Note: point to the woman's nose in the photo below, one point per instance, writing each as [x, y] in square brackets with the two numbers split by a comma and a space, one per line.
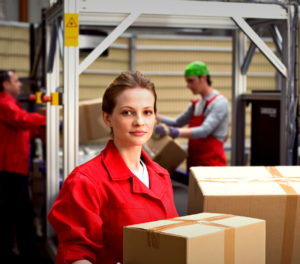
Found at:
[139, 119]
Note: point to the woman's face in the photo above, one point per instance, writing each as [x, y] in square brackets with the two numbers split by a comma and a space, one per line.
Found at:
[133, 117]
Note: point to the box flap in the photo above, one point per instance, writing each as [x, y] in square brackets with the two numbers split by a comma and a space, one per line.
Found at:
[247, 180]
[196, 225]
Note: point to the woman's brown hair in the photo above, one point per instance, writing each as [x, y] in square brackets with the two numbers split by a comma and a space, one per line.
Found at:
[125, 80]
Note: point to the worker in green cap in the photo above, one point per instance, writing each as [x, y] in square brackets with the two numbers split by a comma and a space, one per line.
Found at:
[207, 118]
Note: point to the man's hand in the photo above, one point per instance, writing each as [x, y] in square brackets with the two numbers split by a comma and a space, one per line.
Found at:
[163, 130]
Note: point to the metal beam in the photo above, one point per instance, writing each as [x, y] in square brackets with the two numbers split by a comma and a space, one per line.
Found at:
[175, 14]
[54, 12]
[260, 44]
[108, 41]
[184, 8]
[248, 58]
[277, 38]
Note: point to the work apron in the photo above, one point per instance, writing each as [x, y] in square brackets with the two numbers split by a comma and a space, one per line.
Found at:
[207, 151]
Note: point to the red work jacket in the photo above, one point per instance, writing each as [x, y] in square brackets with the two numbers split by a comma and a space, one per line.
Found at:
[100, 197]
[207, 151]
[16, 126]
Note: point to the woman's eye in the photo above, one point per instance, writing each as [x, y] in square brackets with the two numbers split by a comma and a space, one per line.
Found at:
[148, 112]
[126, 113]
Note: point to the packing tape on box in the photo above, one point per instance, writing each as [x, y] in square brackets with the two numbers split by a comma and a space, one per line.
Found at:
[280, 180]
[290, 218]
[229, 233]
[290, 208]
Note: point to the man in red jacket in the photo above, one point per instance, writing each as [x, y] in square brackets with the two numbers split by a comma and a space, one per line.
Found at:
[16, 128]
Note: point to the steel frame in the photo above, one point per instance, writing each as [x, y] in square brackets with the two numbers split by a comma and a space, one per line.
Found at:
[170, 15]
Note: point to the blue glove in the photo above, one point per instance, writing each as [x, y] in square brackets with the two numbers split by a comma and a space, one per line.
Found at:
[163, 130]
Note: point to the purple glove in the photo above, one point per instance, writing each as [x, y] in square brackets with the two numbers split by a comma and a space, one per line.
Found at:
[160, 130]
[163, 130]
[173, 131]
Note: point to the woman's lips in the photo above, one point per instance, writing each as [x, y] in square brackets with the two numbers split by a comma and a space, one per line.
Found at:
[138, 133]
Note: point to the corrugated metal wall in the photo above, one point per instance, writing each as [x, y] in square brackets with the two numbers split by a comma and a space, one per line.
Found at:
[14, 48]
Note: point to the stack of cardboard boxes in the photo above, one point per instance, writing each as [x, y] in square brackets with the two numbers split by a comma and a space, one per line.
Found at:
[269, 193]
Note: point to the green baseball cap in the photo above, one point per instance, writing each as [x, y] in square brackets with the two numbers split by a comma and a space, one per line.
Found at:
[196, 68]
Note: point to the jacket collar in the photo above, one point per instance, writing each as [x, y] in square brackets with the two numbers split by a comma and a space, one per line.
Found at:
[114, 163]
[118, 169]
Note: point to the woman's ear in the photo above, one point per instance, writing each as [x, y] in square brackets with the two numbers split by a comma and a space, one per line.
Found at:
[106, 118]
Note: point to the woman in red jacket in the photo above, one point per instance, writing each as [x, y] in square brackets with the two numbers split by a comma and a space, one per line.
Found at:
[121, 186]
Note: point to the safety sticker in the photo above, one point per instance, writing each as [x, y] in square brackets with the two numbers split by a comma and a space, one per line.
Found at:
[71, 29]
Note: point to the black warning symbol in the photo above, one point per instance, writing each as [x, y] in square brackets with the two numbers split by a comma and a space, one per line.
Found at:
[71, 23]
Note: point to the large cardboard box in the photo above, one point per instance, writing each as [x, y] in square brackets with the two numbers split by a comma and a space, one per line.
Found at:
[91, 124]
[206, 238]
[166, 151]
[269, 193]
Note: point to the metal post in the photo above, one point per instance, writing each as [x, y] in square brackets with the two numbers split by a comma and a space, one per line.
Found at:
[132, 52]
[52, 187]
[284, 96]
[297, 97]
[292, 103]
[71, 88]
[238, 87]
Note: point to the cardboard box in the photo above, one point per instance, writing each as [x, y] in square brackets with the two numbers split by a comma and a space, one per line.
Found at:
[206, 238]
[269, 193]
[166, 151]
[91, 124]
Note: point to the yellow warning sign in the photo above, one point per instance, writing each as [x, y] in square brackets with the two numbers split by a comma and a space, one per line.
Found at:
[71, 29]
[71, 23]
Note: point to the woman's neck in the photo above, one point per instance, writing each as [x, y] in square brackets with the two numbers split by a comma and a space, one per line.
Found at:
[131, 156]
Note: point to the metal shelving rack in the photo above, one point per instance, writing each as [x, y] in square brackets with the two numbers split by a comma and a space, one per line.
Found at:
[121, 16]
